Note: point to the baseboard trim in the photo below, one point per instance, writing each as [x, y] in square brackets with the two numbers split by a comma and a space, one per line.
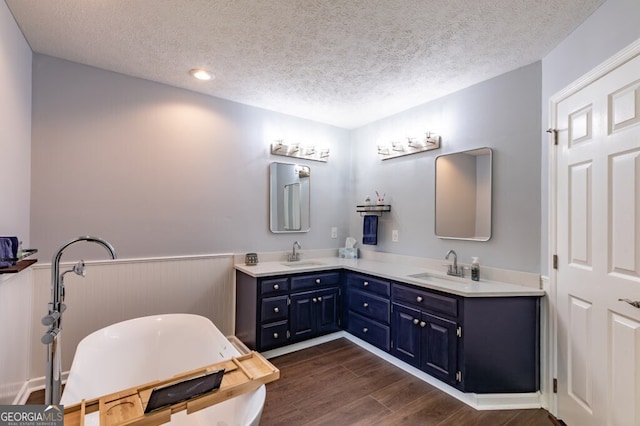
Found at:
[33, 385]
[491, 401]
[303, 345]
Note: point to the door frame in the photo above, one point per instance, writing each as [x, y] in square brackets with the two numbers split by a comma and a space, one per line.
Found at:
[550, 354]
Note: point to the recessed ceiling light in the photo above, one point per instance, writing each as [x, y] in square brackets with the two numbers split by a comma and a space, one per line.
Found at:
[201, 74]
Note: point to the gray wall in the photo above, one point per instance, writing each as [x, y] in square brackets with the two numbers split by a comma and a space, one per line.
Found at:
[15, 128]
[163, 171]
[158, 170]
[502, 113]
[612, 27]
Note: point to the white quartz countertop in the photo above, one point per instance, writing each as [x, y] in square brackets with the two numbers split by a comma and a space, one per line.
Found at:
[409, 274]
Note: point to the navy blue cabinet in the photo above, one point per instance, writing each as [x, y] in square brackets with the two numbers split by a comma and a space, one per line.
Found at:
[477, 344]
[313, 313]
[439, 347]
[406, 334]
[275, 311]
[369, 309]
[425, 330]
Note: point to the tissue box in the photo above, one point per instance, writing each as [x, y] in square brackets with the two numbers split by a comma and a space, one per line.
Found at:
[348, 253]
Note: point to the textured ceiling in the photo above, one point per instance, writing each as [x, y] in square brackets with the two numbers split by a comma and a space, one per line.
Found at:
[345, 63]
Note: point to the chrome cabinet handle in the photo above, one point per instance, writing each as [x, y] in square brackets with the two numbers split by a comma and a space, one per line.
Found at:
[419, 299]
[319, 298]
[275, 335]
[314, 300]
[634, 303]
[364, 330]
[422, 323]
[276, 286]
[416, 321]
[365, 304]
[318, 281]
[366, 283]
[276, 310]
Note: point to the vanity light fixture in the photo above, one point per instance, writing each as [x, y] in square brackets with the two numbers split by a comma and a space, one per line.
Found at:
[201, 74]
[411, 146]
[296, 150]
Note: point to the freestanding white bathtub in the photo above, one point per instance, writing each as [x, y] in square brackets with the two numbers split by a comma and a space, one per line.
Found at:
[140, 350]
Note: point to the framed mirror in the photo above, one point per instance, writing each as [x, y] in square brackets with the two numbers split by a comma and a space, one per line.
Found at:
[289, 198]
[463, 195]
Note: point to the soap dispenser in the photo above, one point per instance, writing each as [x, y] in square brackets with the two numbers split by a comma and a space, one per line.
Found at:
[475, 269]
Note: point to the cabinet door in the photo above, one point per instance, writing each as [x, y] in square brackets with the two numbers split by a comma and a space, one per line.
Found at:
[302, 318]
[327, 310]
[406, 334]
[439, 347]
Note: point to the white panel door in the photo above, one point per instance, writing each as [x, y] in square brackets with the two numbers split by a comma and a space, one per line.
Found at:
[598, 247]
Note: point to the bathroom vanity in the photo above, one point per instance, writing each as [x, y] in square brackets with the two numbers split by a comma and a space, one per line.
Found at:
[477, 337]
[275, 311]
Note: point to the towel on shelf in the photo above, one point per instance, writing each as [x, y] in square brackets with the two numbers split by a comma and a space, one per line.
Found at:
[6, 252]
[370, 230]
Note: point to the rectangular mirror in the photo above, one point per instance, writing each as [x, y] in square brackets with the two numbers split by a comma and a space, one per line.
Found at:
[463, 195]
[290, 198]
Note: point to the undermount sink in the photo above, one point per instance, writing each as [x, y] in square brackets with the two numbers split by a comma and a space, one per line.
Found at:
[432, 277]
[302, 263]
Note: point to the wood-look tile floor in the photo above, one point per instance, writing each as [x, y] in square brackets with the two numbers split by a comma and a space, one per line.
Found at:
[340, 383]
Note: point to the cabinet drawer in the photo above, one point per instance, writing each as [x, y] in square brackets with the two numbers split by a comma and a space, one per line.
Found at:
[274, 309]
[274, 334]
[369, 331]
[427, 301]
[275, 285]
[315, 280]
[365, 283]
[369, 305]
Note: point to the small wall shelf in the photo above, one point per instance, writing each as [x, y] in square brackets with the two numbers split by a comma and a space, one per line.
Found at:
[376, 209]
[19, 266]
[21, 263]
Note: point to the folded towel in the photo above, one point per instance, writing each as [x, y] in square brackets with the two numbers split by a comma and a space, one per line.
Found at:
[6, 252]
[370, 230]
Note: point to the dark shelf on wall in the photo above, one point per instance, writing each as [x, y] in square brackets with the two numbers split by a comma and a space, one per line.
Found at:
[19, 266]
[21, 263]
[376, 209]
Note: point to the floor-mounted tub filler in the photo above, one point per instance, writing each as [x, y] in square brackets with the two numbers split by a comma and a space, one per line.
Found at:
[53, 378]
[142, 350]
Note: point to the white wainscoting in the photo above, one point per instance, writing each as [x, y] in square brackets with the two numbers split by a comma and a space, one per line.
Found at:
[114, 291]
[16, 302]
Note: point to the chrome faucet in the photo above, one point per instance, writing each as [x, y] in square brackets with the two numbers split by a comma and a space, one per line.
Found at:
[452, 269]
[294, 256]
[53, 384]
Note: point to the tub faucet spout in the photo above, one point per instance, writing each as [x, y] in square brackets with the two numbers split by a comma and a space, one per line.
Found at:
[53, 384]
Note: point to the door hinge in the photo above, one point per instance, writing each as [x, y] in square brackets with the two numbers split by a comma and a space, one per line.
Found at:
[459, 331]
[555, 261]
[555, 385]
[458, 376]
[555, 135]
